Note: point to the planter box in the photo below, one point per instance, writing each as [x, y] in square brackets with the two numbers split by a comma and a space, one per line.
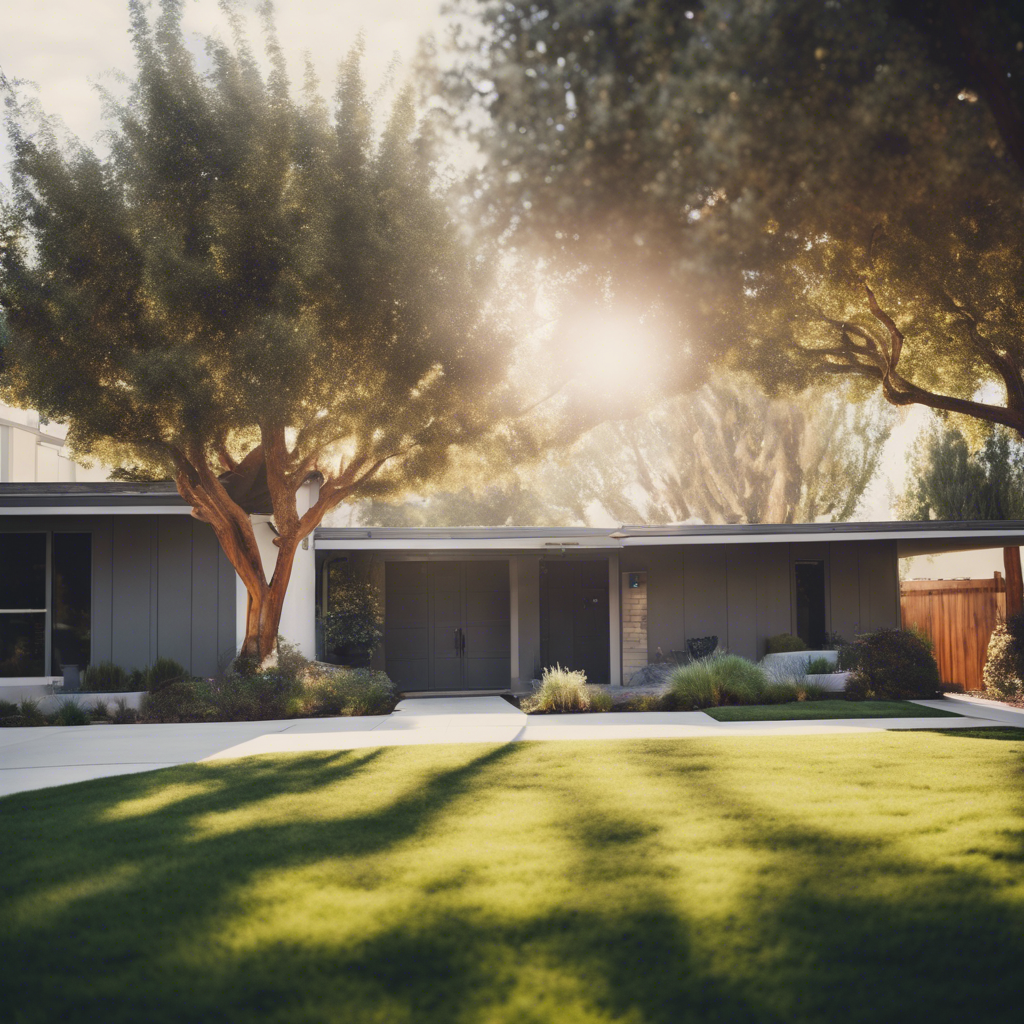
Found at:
[796, 661]
[831, 681]
[88, 699]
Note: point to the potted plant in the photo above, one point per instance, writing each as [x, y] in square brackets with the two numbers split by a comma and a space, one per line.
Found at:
[352, 624]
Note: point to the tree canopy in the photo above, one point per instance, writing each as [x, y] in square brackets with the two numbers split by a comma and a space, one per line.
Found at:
[254, 289]
[818, 189]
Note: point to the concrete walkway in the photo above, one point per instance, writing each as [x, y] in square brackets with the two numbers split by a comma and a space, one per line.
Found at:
[51, 756]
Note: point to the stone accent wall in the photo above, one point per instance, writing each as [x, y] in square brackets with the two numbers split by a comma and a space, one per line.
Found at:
[634, 625]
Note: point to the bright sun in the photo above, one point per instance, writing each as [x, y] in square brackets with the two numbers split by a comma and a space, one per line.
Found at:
[616, 351]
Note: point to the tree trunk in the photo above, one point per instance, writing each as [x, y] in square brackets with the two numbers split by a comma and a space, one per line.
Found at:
[264, 605]
[1014, 582]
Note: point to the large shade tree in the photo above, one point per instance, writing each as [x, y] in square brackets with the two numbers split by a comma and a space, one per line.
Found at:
[251, 291]
[822, 189]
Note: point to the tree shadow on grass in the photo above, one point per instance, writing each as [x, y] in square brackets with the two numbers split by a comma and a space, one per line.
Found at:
[822, 926]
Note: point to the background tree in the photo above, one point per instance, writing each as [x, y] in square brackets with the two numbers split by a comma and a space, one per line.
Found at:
[948, 480]
[725, 454]
[247, 294]
[819, 189]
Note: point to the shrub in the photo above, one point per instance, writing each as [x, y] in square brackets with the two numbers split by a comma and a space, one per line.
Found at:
[8, 709]
[70, 712]
[185, 700]
[1015, 630]
[600, 699]
[164, 671]
[846, 660]
[813, 691]
[1000, 674]
[719, 679]
[105, 677]
[30, 713]
[340, 690]
[893, 664]
[701, 646]
[819, 666]
[784, 643]
[560, 690]
[259, 697]
[123, 714]
[137, 680]
[101, 709]
[832, 642]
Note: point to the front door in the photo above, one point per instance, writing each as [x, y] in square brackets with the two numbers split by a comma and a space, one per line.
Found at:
[574, 616]
[446, 625]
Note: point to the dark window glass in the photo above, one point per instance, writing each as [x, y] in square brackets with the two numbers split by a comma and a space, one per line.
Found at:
[22, 644]
[810, 603]
[72, 600]
[22, 570]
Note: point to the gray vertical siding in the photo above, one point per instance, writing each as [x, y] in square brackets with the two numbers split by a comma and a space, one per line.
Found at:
[160, 586]
[743, 593]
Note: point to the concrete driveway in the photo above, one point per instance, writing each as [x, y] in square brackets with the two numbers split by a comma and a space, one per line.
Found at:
[53, 756]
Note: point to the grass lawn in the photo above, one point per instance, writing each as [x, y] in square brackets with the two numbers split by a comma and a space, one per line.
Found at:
[838, 878]
[825, 709]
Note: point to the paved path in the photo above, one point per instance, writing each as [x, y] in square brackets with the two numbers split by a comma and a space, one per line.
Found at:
[52, 756]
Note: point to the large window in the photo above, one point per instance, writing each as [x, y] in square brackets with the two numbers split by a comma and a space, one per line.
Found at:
[22, 604]
[71, 601]
[44, 625]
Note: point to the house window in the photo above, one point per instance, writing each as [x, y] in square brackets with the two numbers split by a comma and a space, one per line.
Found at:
[45, 602]
[810, 603]
[71, 618]
[22, 604]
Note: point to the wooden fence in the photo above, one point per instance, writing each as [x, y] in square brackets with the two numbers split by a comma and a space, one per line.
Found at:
[959, 615]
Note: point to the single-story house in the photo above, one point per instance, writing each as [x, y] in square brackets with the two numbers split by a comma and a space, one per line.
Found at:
[120, 571]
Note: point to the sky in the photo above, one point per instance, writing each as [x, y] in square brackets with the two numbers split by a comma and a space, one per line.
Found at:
[64, 45]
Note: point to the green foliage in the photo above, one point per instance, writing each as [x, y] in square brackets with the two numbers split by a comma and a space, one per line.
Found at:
[949, 479]
[784, 643]
[9, 714]
[339, 690]
[893, 664]
[123, 714]
[1003, 674]
[106, 677]
[100, 709]
[726, 679]
[70, 712]
[186, 700]
[819, 666]
[757, 167]
[256, 698]
[30, 714]
[164, 671]
[846, 660]
[560, 690]
[354, 616]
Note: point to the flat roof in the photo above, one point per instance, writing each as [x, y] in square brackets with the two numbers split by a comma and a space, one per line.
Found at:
[102, 497]
[928, 535]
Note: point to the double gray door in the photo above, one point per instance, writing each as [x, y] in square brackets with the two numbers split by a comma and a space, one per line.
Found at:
[446, 625]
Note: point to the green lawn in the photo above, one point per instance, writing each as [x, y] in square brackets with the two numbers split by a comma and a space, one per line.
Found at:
[836, 878]
[826, 709]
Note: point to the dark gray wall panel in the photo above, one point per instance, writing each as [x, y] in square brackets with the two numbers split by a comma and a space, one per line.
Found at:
[227, 642]
[706, 592]
[774, 592]
[132, 540]
[742, 569]
[666, 595]
[879, 582]
[174, 637]
[205, 586]
[845, 587]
